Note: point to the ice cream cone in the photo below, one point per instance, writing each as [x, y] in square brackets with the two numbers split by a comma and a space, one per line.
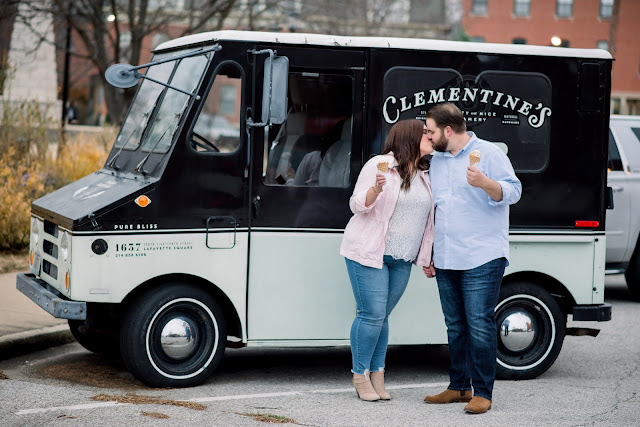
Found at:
[383, 167]
[474, 157]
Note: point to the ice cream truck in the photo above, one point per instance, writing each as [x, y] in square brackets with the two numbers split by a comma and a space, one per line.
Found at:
[217, 218]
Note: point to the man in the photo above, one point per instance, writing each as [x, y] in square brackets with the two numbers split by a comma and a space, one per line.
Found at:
[471, 250]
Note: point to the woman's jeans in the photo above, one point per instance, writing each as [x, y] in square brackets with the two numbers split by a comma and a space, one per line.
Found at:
[377, 291]
[469, 299]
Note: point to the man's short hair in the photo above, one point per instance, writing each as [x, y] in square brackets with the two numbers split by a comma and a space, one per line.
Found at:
[447, 114]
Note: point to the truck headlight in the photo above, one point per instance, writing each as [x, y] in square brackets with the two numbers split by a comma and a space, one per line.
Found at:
[64, 245]
[35, 231]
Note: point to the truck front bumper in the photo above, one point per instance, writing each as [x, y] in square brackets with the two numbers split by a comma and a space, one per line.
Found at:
[600, 312]
[50, 299]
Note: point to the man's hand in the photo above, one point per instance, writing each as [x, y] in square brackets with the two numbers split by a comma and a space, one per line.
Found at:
[477, 179]
[430, 271]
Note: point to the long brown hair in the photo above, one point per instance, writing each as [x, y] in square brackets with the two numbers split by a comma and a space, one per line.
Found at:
[404, 140]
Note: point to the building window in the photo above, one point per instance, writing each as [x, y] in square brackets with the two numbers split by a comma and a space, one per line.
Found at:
[519, 40]
[477, 39]
[228, 95]
[565, 43]
[606, 8]
[602, 44]
[521, 7]
[480, 7]
[564, 8]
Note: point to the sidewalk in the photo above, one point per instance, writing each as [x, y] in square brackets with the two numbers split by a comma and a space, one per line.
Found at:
[24, 326]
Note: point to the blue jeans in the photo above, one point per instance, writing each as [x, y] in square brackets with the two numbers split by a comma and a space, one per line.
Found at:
[377, 291]
[469, 299]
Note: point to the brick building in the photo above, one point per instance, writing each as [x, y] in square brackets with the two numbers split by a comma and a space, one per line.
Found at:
[567, 23]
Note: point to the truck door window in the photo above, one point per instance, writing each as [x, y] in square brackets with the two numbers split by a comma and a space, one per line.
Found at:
[615, 162]
[217, 129]
[186, 77]
[313, 146]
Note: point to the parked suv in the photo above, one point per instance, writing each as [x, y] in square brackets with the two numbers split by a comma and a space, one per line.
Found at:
[623, 222]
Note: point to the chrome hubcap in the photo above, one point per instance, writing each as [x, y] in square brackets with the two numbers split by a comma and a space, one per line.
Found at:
[517, 331]
[178, 340]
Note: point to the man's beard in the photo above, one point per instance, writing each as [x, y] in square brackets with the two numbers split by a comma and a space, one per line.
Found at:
[441, 144]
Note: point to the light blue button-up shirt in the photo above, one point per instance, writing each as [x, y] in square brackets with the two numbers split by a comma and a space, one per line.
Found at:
[471, 229]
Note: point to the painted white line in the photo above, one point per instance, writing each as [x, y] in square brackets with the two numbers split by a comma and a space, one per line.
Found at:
[245, 396]
[231, 397]
[66, 408]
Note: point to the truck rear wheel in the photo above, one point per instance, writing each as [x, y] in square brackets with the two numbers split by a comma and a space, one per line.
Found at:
[173, 336]
[632, 275]
[531, 329]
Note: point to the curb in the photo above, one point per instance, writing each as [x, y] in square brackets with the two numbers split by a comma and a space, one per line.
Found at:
[20, 343]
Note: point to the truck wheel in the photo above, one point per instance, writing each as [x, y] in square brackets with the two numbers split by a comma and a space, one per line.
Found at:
[531, 329]
[173, 336]
[632, 275]
[104, 340]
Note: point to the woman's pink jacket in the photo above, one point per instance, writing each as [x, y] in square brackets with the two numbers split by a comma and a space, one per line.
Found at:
[366, 233]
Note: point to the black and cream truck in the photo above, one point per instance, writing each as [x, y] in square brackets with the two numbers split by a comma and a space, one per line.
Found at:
[217, 218]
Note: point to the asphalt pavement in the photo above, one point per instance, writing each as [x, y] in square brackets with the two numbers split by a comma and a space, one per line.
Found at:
[24, 326]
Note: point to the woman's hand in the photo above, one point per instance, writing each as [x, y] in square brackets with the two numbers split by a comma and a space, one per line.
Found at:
[380, 181]
[375, 190]
[430, 270]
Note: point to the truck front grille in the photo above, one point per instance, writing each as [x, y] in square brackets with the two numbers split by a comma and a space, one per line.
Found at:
[50, 248]
[50, 269]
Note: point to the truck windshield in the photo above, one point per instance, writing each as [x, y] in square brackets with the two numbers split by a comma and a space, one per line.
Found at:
[158, 109]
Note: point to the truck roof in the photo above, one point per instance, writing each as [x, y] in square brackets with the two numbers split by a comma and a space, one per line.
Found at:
[382, 42]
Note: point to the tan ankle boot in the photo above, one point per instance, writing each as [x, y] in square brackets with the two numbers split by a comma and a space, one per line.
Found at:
[377, 381]
[450, 396]
[363, 386]
[478, 405]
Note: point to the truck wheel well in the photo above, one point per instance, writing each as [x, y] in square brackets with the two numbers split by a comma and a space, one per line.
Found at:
[234, 327]
[557, 290]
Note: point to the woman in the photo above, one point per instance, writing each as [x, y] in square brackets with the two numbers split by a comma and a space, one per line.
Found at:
[392, 227]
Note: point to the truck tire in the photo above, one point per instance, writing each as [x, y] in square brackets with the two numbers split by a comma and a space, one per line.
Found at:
[531, 329]
[173, 336]
[632, 275]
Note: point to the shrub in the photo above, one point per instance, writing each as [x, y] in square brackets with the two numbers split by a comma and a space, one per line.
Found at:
[29, 169]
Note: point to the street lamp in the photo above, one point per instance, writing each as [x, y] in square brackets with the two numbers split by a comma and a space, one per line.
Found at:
[556, 41]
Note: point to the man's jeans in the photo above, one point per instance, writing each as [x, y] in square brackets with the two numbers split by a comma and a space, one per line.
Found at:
[469, 299]
[377, 291]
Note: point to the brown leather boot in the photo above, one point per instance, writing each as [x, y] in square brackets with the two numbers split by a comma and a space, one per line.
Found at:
[363, 386]
[377, 381]
[450, 396]
[478, 405]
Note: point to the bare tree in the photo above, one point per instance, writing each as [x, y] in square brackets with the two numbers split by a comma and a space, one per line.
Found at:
[113, 31]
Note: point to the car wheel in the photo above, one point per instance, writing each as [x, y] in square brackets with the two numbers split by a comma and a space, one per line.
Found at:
[173, 336]
[531, 329]
[632, 275]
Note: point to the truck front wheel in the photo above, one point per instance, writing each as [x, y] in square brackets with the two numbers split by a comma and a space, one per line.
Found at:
[531, 329]
[173, 336]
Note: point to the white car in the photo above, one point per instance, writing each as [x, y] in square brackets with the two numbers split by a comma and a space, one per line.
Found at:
[623, 222]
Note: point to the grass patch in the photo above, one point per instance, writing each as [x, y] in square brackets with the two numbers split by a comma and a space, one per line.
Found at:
[136, 399]
[14, 261]
[269, 418]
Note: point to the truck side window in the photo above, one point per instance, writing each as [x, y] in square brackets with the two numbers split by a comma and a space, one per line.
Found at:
[615, 162]
[217, 129]
[313, 146]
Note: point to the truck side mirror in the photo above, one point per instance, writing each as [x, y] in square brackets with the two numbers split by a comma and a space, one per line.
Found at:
[609, 198]
[274, 90]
